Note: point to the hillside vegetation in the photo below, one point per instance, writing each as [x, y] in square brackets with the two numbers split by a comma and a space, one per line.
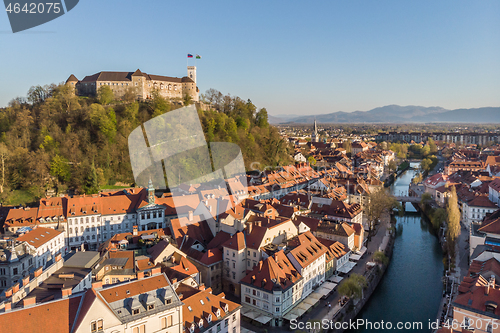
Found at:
[56, 141]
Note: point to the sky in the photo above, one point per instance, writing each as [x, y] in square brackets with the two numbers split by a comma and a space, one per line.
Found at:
[291, 57]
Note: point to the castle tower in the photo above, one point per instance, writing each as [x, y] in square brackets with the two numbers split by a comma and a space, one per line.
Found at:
[192, 73]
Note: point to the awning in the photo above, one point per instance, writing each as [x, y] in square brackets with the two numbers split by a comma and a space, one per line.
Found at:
[326, 288]
[263, 319]
[355, 257]
[362, 251]
[347, 267]
[290, 316]
[335, 279]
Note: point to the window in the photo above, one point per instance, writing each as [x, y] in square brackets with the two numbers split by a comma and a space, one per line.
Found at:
[255, 254]
[277, 309]
[247, 299]
[151, 307]
[277, 299]
[234, 265]
[226, 322]
[135, 311]
[15, 271]
[218, 327]
[234, 254]
[166, 321]
[140, 329]
[234, 317]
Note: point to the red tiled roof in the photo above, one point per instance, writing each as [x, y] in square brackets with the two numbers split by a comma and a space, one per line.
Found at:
[130, 289]
[56, 316]
[199, 305]
[39, 236]
[274, 271]
[236, 242]
[308, 250]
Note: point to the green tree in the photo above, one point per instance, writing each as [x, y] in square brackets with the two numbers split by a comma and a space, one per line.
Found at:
[379, 202]
[347, 145]
[392, 166]
[352, 287]
[91, 184]
[105, 95]
[188, 100]
[380, 257]
[4, 155]
[311, 160]
[261, 118]
[60, 168]
[104, 120]
[432, 145]
[437, 217]
[452, 219]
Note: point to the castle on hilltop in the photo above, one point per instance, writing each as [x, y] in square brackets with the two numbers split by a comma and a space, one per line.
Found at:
[141, 83]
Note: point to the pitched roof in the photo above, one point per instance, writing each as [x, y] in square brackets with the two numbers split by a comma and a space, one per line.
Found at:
[39, 236]
[72, 78]
[133, 288]
[306, 248]
[273, 272]
[236, 242]
[55, 316]
[199, 305]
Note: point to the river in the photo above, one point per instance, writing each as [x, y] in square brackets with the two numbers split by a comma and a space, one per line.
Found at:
[410, 291]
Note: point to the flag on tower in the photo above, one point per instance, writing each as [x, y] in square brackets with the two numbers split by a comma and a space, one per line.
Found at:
[198, 56]
[190, 55]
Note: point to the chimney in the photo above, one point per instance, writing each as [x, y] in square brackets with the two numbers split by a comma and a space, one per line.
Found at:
[491, 284]
[156, 270]
[249, 228]
[97, 285]
[190, 215]
[201, 287]
[140, 275]
[66, 292]
[135, 230]
[15, 288]
[82, 247]
[173, 259]
[8, 306]
[181, 296]
[58, 257]
[29, 301]
[26, 280]
[8, 292]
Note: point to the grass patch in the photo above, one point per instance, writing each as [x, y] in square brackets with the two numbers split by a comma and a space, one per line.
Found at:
[113, 187]
[20, 197]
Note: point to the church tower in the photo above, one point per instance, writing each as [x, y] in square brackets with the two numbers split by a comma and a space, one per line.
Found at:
[151, 193]
[314, 135]
[192, 73]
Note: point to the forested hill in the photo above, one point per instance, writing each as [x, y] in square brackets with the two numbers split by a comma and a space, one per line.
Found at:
[54, 140]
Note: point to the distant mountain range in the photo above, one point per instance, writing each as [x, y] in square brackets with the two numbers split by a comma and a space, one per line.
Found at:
[399, 114]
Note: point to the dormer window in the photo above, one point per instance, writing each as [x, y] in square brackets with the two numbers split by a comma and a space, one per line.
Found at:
[191, 329]
[209, 318]
[218, 313]
[200, 323]
[151, 307]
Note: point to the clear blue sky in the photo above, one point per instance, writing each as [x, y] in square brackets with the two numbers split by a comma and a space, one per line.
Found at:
[295, 57]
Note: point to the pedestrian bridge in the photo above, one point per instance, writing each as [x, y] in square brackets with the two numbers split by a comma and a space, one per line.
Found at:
[407, 198]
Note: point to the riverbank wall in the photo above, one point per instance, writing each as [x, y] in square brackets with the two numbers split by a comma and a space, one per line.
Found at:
[373, 278]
